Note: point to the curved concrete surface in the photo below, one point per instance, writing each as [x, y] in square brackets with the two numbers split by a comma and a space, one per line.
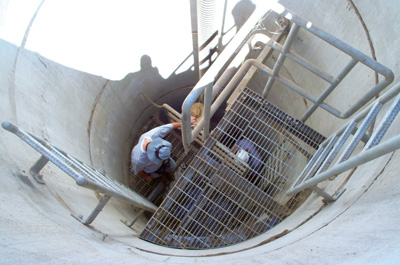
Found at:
[96, 120]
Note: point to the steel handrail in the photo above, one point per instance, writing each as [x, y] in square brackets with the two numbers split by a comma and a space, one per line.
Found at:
[206, 83]
[84, 176]
[372, 150]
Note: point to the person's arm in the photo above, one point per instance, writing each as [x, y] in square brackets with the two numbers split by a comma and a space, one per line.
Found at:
[145, 176]
[235, 148]
[178, 124]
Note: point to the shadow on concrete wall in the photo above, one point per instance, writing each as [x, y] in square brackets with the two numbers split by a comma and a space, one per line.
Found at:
[241, 12]
[149, 80]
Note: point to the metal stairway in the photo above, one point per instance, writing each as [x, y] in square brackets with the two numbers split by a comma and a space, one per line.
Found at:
[84, 175]
[320, 169]
[220, 200]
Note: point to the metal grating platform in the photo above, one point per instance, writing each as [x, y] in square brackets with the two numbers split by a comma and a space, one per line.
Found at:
[220, 200]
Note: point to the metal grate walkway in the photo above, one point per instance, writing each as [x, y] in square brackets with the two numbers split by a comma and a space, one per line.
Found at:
[220, 200]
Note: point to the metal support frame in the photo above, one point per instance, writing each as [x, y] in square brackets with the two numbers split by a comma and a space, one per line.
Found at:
[37, 167]
[221, 200]
[140, 213]
[362, 158]
[356, 57]
[208, 78]
[352, 52]
[84, 175]
[103, 201]
[155, 192]
[328, 198]
[282, 56]
[372, 150]
[329, 89]
[195, 38]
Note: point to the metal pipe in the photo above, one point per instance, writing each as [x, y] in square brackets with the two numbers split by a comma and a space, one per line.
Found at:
[367, 97]
[37, 167]
[236, 79]
[86, 183]
[222, 33]
[97, 210]
[73, 170]
[140, 213]
[330, 88]
[207, 107]
[232, 84]
[322, 193]
[361, 57]
[355, 54]
[302, 61]
[305, 94]
[277, 67]
[265, 53]
[195, 37]
[222, 81]
[377, 151]
[209, 76]
[388, 95]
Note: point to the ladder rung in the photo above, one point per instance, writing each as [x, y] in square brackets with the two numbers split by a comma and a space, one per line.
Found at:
[343, 138]
[378, 134]
[360, 132]
[303, 173]
[322, 157]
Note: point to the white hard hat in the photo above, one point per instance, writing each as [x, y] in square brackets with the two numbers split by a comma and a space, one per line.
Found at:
[243, 155]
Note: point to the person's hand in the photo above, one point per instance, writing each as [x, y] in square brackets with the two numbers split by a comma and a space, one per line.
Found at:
[192, 120]
[179, 124]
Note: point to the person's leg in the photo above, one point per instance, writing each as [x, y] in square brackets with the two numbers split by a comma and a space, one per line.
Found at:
[170, 166]
[154, 175]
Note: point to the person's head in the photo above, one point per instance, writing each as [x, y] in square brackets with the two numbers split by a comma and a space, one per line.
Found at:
[243, 155]
[159, 150]
[145, 62]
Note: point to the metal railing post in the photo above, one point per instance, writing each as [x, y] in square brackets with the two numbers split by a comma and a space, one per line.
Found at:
[282, 56]
[94, 213]
[362, 158]
[330, 88]
[83, 174]
[208, 78]
[37, 167]
[207, 110]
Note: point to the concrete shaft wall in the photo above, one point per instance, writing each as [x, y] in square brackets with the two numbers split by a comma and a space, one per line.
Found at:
[95, 119]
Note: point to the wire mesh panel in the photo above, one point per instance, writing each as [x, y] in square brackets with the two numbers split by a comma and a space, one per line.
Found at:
[223, 199]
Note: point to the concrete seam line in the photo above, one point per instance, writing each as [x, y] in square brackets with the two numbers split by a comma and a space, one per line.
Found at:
[11, 87]
[89, 129]
[371, 45]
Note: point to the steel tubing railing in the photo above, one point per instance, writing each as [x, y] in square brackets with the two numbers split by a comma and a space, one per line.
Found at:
[362, 158]
[206, 83]
[82, 174]
[373, 148]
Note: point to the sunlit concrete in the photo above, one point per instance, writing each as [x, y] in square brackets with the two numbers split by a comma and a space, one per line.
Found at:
[95, 117]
